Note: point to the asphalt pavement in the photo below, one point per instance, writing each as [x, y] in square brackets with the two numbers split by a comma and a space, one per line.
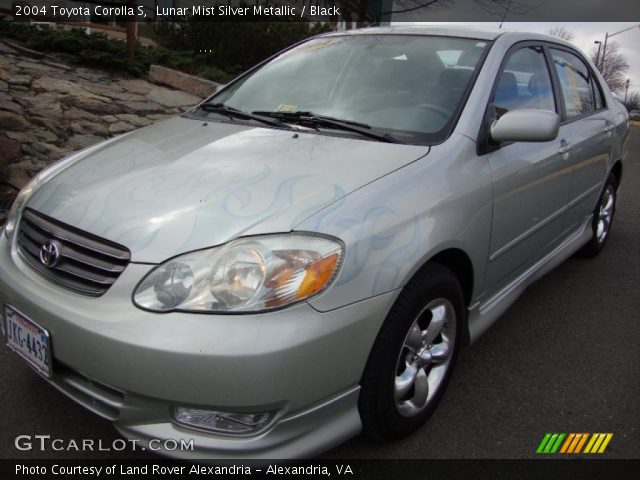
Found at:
[564, 358]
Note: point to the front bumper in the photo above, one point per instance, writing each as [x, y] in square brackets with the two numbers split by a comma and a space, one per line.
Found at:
[131, 366]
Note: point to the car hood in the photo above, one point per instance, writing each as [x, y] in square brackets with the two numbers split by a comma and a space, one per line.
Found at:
[182, 184]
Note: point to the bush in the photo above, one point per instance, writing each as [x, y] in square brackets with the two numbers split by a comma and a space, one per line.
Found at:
[216, 75]
[96, 49]
[185, 46]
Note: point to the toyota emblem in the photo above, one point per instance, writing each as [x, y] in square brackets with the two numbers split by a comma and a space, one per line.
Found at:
[50, 253]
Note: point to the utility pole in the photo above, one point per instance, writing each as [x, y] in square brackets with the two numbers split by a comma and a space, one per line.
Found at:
[606, 38]
[131, 29]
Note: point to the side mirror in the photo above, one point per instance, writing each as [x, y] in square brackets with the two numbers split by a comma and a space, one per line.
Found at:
[526, 125]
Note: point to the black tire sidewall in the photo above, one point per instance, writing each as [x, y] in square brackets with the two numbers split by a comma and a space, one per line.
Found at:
[610, 183]
[377, 407]
[594, 247]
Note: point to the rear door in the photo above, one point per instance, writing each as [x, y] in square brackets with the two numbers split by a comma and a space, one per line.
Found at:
[587, 128]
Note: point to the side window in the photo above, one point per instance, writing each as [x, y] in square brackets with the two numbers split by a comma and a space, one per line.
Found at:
[576, 84]
[524, 83]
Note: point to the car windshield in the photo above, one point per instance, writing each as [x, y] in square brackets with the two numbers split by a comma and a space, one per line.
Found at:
[408, 87]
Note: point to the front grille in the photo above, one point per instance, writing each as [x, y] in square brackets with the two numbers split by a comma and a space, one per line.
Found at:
[86, 264]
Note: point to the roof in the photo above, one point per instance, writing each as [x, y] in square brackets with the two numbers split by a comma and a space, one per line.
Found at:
[480, 33]
[463, 31]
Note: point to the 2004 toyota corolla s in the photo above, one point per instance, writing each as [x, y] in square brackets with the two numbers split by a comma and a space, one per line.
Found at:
[301, 256]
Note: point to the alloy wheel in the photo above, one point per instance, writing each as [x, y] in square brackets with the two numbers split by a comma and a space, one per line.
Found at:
[605, 213]
[425, 357]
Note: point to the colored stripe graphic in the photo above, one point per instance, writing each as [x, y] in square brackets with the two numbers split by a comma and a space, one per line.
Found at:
[577, 439]
[605, 443]
[581, 442]
[598, 442]
[567, 443]
[544, 441]
[591, 442]
[556, 445]
[572, 443]
[550, 443]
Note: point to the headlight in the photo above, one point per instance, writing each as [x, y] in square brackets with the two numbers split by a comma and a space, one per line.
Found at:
[24, 195]
[246, 275]
[18, 205]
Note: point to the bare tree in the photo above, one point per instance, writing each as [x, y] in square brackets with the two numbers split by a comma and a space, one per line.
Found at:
[633, 101]
[406, 6]
[508, 10]
[561, 32]
[360, 10]
[613, 66]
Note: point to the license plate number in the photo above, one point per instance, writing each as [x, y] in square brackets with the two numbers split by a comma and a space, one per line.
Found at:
[28, 339]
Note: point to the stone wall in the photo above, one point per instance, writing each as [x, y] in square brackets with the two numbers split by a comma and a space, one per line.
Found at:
[181, 81]
[49, 109]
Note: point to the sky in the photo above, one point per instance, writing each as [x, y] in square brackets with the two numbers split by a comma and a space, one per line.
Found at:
[585, 33]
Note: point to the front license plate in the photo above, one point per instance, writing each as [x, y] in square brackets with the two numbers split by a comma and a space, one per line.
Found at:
[28, 339]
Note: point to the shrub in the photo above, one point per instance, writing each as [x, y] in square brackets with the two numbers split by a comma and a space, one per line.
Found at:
[216, 75]
[236, 45]
[95, 49]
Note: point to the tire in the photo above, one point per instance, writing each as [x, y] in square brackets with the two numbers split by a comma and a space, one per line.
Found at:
[389, 408]
[602, 219]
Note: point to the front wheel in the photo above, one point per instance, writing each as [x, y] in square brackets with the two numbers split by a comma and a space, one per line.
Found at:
[602, 219]
[413, 356]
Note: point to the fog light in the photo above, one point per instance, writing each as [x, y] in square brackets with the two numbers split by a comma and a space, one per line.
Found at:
[222, 422]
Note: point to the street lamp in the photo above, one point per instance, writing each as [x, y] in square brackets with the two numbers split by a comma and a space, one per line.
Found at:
[607, 35]
[598, 54]
[626, 91]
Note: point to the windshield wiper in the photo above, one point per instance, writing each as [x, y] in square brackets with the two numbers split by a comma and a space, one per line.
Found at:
[314, 120]
[232, 113]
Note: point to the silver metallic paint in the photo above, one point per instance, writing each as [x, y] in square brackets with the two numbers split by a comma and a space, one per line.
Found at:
[526, 126]
[180, 185]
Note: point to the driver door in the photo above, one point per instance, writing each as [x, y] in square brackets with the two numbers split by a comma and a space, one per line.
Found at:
[531, 181]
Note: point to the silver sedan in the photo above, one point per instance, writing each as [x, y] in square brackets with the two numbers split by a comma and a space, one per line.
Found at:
[301, 256]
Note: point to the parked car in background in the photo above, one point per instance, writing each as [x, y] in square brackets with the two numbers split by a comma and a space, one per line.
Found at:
[634, 115]
[302, 256]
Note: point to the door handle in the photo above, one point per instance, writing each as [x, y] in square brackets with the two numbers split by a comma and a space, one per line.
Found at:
[608, 129]
[565, 147]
